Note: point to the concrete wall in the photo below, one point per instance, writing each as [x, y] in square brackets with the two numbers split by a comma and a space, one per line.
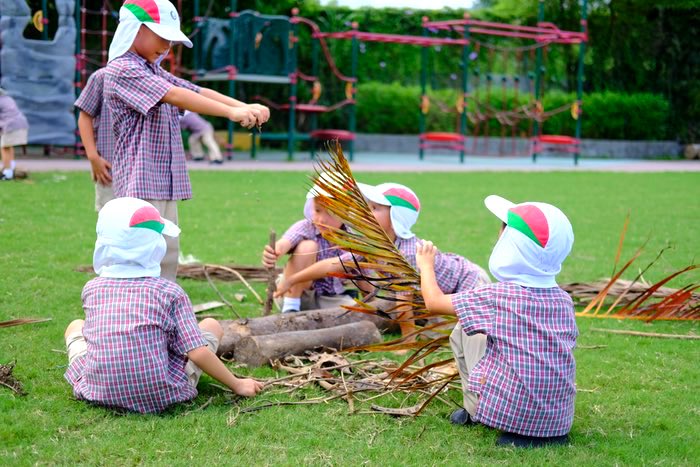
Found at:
[519, 146]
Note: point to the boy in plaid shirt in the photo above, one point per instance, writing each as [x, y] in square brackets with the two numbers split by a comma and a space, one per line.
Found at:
[145, 102]
[139, 347]
[95, 125]
[305, 245]
[514, 342]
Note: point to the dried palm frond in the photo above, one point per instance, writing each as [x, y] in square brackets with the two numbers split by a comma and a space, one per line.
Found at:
[376, 259]
[642, 301]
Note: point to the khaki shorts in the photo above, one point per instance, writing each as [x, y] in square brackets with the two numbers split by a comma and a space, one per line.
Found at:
[103, 194]
[13, 138]
[192, 370]
[77, 346]
[311, 301]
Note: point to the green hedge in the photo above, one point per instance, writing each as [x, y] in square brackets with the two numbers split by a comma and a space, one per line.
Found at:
[393, 108]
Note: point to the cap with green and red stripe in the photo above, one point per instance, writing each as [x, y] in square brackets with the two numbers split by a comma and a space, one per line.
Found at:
[119, 216]
[160, 16]
[404, 204]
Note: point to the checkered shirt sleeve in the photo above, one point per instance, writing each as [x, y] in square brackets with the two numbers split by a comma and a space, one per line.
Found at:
[139, 88]
[526, 378]
[300, 230]
[90, 99]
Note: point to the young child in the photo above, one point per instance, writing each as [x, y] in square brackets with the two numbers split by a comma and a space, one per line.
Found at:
[95, 125]
[144, 101]
[396, 208]
[14, 129]
[201, 132]
[305, 245]
[140, 347]
[515, 338]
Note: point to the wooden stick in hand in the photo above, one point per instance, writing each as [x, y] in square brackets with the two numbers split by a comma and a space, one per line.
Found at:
[271, 278]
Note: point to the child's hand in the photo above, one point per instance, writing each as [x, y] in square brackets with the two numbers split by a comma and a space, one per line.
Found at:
[425, 255]
[245, 116]
[264, 113]
[269, 257]
[247, 387]
[100, 169]
[282, 287]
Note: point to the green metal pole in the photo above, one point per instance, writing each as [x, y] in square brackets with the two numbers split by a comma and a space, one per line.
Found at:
[423, 85]
[231, 80]
[466, 50]
[538, 75]
[292, 97]
[45, 19]
[580, 77]
[314, 72]
[353, 74]
[197, 43]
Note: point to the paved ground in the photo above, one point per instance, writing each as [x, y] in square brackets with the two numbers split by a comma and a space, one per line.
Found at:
[385, 162]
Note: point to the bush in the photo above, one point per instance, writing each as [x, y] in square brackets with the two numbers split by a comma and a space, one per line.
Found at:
[393, 108]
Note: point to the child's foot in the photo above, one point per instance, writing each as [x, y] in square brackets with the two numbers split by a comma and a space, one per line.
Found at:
[197, 159]
[5, 178]
[461, 417]
[521, 441]
[217, 162]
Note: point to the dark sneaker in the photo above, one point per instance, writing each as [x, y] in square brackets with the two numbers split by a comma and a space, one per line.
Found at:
[291, 311]
[197, 159]
[217, 162]
[3, 178]
[461, 417]
[521, 441]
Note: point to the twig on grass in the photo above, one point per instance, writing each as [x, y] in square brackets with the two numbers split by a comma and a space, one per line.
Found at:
[647, 334]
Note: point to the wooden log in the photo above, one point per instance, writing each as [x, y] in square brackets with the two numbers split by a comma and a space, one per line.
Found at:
[235, 330]
[259, 350]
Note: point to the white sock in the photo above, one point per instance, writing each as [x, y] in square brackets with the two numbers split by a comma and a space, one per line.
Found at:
[291, 304]
[8, 173]
[13, 164]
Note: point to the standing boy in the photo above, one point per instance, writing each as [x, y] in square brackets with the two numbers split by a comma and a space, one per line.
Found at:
[149, 159]
[14, 129]
[96, 133]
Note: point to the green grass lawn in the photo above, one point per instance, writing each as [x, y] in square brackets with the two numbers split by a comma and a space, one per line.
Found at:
[640, 398]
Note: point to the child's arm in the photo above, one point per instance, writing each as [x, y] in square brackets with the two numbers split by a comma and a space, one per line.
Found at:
[100, 167]
[270, 256]
[205, 359]
[316, 271]
[183, 98]
[230, 101]
[434, 299]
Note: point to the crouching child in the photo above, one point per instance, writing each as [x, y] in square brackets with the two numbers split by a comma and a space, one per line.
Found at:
[140, 347]
[514, 342]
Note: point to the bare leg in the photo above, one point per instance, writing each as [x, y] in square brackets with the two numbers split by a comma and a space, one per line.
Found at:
[74, 326]
[213, 326]
[8, 155]
[304, 256]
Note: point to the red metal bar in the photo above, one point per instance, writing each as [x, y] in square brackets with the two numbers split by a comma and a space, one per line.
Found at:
[392, 38]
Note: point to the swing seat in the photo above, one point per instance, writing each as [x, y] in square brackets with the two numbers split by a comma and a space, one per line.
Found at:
[555, 142]
[442, 137]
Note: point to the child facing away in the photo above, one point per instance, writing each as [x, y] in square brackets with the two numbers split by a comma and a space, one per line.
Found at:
[514, 342]
[145, 102]
[304, 243]
[139, 347]
[95, 126]
[396, 208]
[14, 130]
[201, 134]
